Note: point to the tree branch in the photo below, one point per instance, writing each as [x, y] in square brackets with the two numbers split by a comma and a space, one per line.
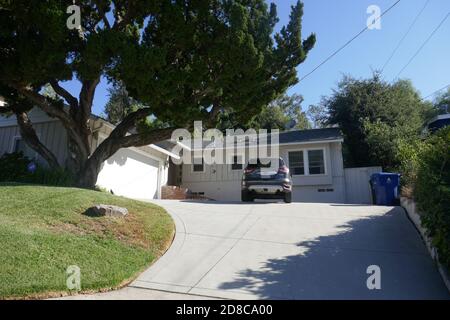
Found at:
[44, 103]
[29, 135]
[53, 111]
[71, 100]
[129, 121]
[87, 95]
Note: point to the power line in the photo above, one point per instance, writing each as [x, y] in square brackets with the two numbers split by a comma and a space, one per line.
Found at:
[423, 45]
[404, 36]
[347, 43]
[431, 94]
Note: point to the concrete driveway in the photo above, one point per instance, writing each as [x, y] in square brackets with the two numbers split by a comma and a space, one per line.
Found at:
[292, 251]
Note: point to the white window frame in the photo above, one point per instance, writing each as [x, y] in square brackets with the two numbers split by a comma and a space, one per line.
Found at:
[306, 161]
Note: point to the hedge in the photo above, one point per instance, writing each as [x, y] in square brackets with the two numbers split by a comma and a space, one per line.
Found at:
[432, 191]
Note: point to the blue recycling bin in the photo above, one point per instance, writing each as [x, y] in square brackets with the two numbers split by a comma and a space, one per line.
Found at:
[385, 188]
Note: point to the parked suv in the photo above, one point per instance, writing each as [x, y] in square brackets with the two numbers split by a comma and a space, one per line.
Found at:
[262, 181]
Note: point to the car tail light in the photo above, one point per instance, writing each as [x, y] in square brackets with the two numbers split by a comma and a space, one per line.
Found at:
[283, 169]
[249, 170]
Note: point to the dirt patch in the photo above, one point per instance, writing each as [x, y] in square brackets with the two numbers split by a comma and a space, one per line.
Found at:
[128, 229]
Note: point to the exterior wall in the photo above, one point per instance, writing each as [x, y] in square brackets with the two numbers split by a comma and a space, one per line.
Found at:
[50, 132]
[219, 182]
[130, 174]
[329, 187]
[357, 184]
[133, 172]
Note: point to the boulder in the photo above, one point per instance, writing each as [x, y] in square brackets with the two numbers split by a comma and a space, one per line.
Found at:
[107, 210]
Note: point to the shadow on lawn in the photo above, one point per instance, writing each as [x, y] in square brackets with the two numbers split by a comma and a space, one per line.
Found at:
[334, 266]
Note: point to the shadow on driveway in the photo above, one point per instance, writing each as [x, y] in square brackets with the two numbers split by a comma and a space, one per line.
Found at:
[335, 266]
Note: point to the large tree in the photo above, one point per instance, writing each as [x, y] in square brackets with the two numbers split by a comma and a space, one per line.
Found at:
[120, 104]
[285, 112]
[375, 116]
[184, 60]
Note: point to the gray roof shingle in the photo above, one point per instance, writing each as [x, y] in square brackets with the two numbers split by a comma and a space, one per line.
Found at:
[310, 135]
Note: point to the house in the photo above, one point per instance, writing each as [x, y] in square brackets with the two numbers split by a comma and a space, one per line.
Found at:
[314, 158]
[132, 172]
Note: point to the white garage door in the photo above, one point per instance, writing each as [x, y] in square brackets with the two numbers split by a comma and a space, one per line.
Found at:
[130, 174]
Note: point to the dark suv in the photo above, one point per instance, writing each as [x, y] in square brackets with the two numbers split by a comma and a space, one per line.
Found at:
[263, 181]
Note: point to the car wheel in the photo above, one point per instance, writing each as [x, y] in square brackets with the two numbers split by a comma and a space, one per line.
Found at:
[246, 197]
[288, 197]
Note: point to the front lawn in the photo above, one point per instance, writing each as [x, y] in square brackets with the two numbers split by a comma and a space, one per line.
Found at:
[43, 231]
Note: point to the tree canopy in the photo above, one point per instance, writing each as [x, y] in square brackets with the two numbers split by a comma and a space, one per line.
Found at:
[374, 116]
[184, 60]
[285, 112]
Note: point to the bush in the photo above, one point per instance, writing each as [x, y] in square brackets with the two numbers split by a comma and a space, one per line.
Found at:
[54, 177]
[408, 155]
[14, 168]
[432, 191]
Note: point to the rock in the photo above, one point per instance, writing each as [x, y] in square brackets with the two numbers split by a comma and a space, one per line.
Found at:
[106, 210]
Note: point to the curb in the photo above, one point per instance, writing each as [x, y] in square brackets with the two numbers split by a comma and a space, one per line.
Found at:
[410, 207]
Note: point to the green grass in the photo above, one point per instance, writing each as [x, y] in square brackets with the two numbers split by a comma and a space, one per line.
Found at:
[43, 231]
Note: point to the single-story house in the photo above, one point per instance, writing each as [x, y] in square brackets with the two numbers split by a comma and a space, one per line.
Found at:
[314, 158]
[132, 172]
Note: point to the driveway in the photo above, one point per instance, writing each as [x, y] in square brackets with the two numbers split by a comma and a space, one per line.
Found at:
[292, 251]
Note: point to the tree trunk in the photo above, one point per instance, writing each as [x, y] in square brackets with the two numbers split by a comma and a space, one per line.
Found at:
[87, 177]
[30, 137]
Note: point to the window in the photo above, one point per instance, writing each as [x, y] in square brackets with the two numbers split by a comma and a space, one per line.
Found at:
[237, 163]
[198, 167]
[316, 162]
[296, 162]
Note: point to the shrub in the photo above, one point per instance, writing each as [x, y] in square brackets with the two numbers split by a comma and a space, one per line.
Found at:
[53, 177]
[408, 155]
[14, 168]
[432, 191]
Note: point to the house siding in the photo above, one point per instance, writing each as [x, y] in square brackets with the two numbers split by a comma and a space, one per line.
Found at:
[132, 172]
[51, 134]
[219, 182]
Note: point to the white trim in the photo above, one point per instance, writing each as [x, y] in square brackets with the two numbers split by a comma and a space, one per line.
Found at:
[280, 144]
[306, 161]
[162, 150]
[137, 150]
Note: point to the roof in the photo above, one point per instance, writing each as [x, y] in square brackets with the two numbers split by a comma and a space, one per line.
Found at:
[311, 135]
[286, 137]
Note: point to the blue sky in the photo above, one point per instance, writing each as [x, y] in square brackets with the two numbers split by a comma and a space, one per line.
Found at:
[335, 22]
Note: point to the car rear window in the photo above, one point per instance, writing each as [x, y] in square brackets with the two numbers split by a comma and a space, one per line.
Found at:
[263, 164]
